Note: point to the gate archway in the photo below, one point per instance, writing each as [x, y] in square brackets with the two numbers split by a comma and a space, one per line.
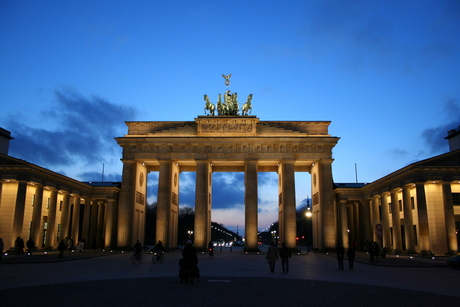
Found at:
[224, 144]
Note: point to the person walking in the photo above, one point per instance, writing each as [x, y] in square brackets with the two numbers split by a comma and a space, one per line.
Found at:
[371, 252]
[351, 253]
[272, 256]
[190, 262]
[21, 246]
[285, 254]
[61, 249]
[376, 251]
[340, 253]
[30, 245]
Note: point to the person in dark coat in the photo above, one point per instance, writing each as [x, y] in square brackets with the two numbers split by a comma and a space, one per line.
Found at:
[376, 251]
[30, 245]
[190, 262]
[61, 249]
[351, 253]
[340, 253]
[285, 254]
[21, 246]
[371, 252]
[272, 256]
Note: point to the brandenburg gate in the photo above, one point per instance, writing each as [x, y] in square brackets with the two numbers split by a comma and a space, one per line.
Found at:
[226, 142]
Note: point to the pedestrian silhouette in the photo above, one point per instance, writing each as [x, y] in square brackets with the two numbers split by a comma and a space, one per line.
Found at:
[272, 256]
[340, 253]
[285, 254]
[351, 253]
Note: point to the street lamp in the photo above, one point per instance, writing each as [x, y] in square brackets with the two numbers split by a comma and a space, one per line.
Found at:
[308, 213]
[190, 233]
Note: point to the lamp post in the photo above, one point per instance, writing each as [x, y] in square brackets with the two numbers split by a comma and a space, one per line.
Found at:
[190, 233]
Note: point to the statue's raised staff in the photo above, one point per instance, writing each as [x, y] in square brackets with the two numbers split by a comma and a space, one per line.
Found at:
[247, 107]
[209, 106]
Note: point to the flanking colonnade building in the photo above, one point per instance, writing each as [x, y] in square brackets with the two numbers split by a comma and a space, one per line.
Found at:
[415, 209]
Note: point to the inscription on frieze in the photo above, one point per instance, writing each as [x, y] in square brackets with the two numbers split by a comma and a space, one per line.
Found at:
[237, 126]
[226, 128]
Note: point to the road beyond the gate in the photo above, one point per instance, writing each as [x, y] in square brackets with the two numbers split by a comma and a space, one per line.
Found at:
[97, 278]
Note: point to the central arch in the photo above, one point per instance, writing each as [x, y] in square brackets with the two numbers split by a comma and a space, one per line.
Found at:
[225, 144]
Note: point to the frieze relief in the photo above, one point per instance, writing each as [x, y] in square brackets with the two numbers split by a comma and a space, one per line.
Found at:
[229, 148]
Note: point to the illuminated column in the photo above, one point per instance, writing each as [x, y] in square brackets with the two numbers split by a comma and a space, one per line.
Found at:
[250, 202]
[375, 213]
[51, 241]
[75, 218]
[126, 205]
[100, 225]
[18, 219]
[37, 215]
[93, 225]
[423, 225]
[386, 240]
[344, 222]
[356, 225]
[202, 204]
[327, 211]
[174, 207]
[287, 207]
[65, 215]
[366, 219]
[163, 202]
[86, 222]
[110, 229]
[396, 219]
[408, 220]
[449, 216]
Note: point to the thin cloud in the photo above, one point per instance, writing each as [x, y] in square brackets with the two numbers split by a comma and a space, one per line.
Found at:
[81, 133]
[434, 137]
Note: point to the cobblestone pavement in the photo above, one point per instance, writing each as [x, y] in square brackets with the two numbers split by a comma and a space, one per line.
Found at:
[97, 278]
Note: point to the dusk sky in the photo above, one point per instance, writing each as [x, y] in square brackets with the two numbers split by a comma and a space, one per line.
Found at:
[385, 73]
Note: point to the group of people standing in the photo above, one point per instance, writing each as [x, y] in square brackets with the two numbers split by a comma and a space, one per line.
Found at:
[19, 246]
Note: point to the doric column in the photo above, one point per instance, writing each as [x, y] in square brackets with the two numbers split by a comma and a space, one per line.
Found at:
[93, 225]
[100, 225]
[163, 202]
[18, 219]
[408, 220]
[423, 225]
[202, 204]
[386, 240]
[356, 225]
[250, 202]
[449, 216]
[75, 218]
[110, 235]
[375, 213]
[86, 222]
[396, 219]
[65, 216]
[51, 241]
[344, 222]
[126, 206]
[327, 210]
[36, 232]
[287, 213]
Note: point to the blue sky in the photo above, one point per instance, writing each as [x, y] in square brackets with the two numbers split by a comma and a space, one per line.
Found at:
[385, 73]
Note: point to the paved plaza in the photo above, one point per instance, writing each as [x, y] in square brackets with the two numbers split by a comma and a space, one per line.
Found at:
[232, 278]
